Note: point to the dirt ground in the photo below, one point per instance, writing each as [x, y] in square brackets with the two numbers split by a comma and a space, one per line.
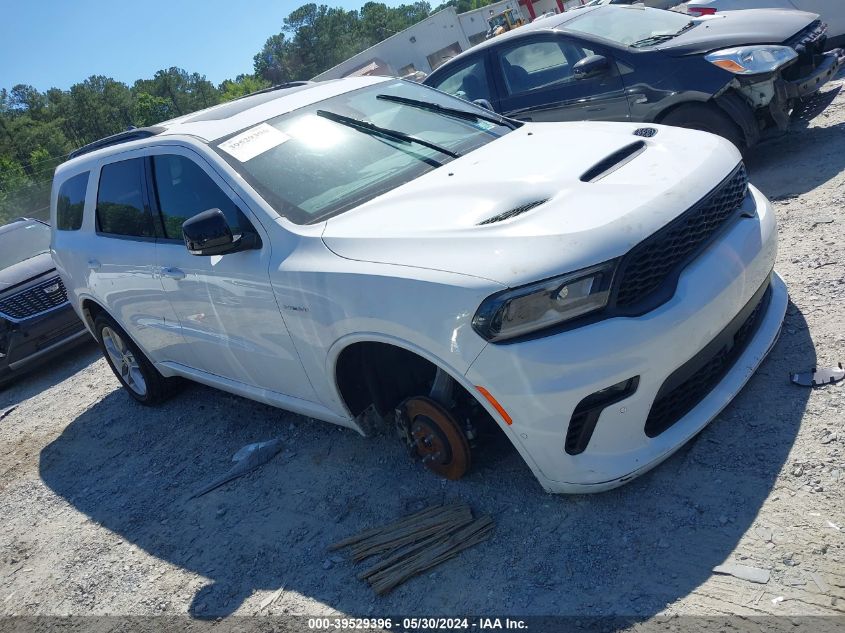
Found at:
[95, 515]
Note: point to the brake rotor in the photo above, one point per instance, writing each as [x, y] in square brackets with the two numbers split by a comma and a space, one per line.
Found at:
[437, 438]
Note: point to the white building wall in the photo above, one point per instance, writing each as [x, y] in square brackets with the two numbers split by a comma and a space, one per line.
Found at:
[544, 6]
[474, 23]
[411, 46]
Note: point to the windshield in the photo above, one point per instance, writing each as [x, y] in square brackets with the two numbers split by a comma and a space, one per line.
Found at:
[316, 162]
[631, 26]
[24, 240]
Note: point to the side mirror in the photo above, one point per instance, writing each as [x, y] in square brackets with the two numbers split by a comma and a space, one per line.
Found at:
[591, 66]
[208, 233]
[484, 104]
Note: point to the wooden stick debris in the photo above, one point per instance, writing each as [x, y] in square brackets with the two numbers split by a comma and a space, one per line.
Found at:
[472, 534]
[410, 520]
[409, 534]
[416, 543]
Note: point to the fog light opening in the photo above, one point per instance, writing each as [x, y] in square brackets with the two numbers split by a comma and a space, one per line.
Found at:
[586, 414]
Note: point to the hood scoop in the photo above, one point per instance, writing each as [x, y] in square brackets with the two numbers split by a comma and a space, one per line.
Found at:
[512, 213]
[614, 161]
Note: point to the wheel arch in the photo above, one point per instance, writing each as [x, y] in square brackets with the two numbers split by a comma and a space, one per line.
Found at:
[340, 355]
[90, 310]
[731, 105]
[460, 379]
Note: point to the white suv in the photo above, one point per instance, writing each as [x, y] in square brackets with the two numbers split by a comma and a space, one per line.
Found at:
[371, 249]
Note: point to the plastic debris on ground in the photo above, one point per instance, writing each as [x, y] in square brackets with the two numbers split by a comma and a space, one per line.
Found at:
[247, 459]
[744, 572]
[818, 377]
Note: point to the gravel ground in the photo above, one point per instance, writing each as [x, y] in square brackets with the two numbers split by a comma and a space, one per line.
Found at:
[95, 515]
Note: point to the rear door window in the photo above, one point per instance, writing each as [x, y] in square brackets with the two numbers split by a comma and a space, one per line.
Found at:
[121, 209]
[71, 202]
[183, 190]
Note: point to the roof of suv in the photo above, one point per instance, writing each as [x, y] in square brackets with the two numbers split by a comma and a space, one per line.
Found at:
[226, 118]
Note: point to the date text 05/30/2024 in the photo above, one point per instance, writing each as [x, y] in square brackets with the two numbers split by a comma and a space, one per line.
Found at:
[417, 624]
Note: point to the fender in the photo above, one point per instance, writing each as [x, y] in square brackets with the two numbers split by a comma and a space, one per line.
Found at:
[459, 377]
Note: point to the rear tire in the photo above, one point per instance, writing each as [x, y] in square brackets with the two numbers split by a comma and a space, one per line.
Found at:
[135, 372]
[707, 118]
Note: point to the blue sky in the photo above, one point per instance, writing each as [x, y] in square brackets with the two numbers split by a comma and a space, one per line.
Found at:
[47, 43]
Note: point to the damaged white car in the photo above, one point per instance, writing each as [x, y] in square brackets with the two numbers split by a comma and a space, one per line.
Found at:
[371, 249]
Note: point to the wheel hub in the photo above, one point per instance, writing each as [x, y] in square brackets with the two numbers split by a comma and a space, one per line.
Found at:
[436, 438]
[124, 361]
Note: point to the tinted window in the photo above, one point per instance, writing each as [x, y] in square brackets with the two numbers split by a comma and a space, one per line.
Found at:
[540, 64]
[120, 200]
[183, 189]
[468, 82]
[71, 202]
[21, 240]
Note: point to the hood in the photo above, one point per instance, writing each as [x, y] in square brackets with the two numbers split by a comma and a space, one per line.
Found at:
[25, 270]
[738, 28]
[449, 220]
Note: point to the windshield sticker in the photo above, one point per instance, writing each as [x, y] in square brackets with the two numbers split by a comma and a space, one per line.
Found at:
[481, 124]
[253, 142]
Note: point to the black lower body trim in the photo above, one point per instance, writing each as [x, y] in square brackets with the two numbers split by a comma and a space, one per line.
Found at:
[691, 382]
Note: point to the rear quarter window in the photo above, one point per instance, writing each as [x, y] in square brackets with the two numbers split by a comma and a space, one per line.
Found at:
[71, 202]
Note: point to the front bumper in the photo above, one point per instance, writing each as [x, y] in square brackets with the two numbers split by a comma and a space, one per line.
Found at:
[540, 382]
[27, 342]
[831, 62]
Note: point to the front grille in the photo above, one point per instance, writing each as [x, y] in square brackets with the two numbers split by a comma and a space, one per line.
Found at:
[34, 300]
[670, 406]
[654, 261]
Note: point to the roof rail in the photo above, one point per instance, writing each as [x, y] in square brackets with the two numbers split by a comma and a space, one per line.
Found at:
[283, 86]
[132, 134]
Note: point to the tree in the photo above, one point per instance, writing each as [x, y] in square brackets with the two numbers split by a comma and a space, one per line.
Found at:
[149, 109]
[271, 62]
[183, 91]
[315, 37]
[462, 6]
[241, 86]
[378, 21]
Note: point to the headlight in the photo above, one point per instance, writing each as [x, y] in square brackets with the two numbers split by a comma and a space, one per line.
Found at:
[752, 60]
[543, 304]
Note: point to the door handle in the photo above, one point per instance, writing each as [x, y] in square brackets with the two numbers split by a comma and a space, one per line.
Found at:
[172, 273]
[93, 264]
